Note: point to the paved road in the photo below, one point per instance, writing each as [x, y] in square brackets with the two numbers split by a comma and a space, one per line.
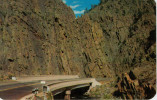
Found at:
[25, 85]
[17, 90]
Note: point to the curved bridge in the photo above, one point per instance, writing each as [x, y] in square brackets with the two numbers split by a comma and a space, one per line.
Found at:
[21, 89]
[68, 86]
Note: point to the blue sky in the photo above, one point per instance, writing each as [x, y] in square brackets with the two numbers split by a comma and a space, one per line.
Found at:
[79, 6]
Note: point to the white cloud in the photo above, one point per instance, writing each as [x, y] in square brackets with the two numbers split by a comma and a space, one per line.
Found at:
[75, 6]
[79, 12]
[64, 1]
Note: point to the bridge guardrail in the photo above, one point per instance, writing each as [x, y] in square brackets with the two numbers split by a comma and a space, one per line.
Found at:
[75, 84]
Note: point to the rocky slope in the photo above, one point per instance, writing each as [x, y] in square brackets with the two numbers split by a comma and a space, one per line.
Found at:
[129, 31]
[43, 37]
[31, 32]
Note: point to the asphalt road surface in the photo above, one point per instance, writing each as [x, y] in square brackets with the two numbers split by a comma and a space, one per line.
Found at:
[17, 90]
[24, 85]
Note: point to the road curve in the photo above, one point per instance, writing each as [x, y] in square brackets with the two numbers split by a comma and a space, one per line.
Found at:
[18, 90]
[24, 85]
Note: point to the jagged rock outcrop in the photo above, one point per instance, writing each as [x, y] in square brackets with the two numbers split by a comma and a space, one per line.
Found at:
[129, 87]
[43, 37]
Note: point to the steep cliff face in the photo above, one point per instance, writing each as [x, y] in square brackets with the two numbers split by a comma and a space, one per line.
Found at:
[43, 37]
[30, 32]
[129, 31]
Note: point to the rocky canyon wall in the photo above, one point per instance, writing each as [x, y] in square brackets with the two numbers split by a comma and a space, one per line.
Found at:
[43, 37]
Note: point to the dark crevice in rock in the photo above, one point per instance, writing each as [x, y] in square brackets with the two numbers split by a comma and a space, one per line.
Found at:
[11, 60]
[137, 17]
[132, 76]
[117, 34]
[56, 19]
[152, 37]
[151, 40]
[87, 57]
